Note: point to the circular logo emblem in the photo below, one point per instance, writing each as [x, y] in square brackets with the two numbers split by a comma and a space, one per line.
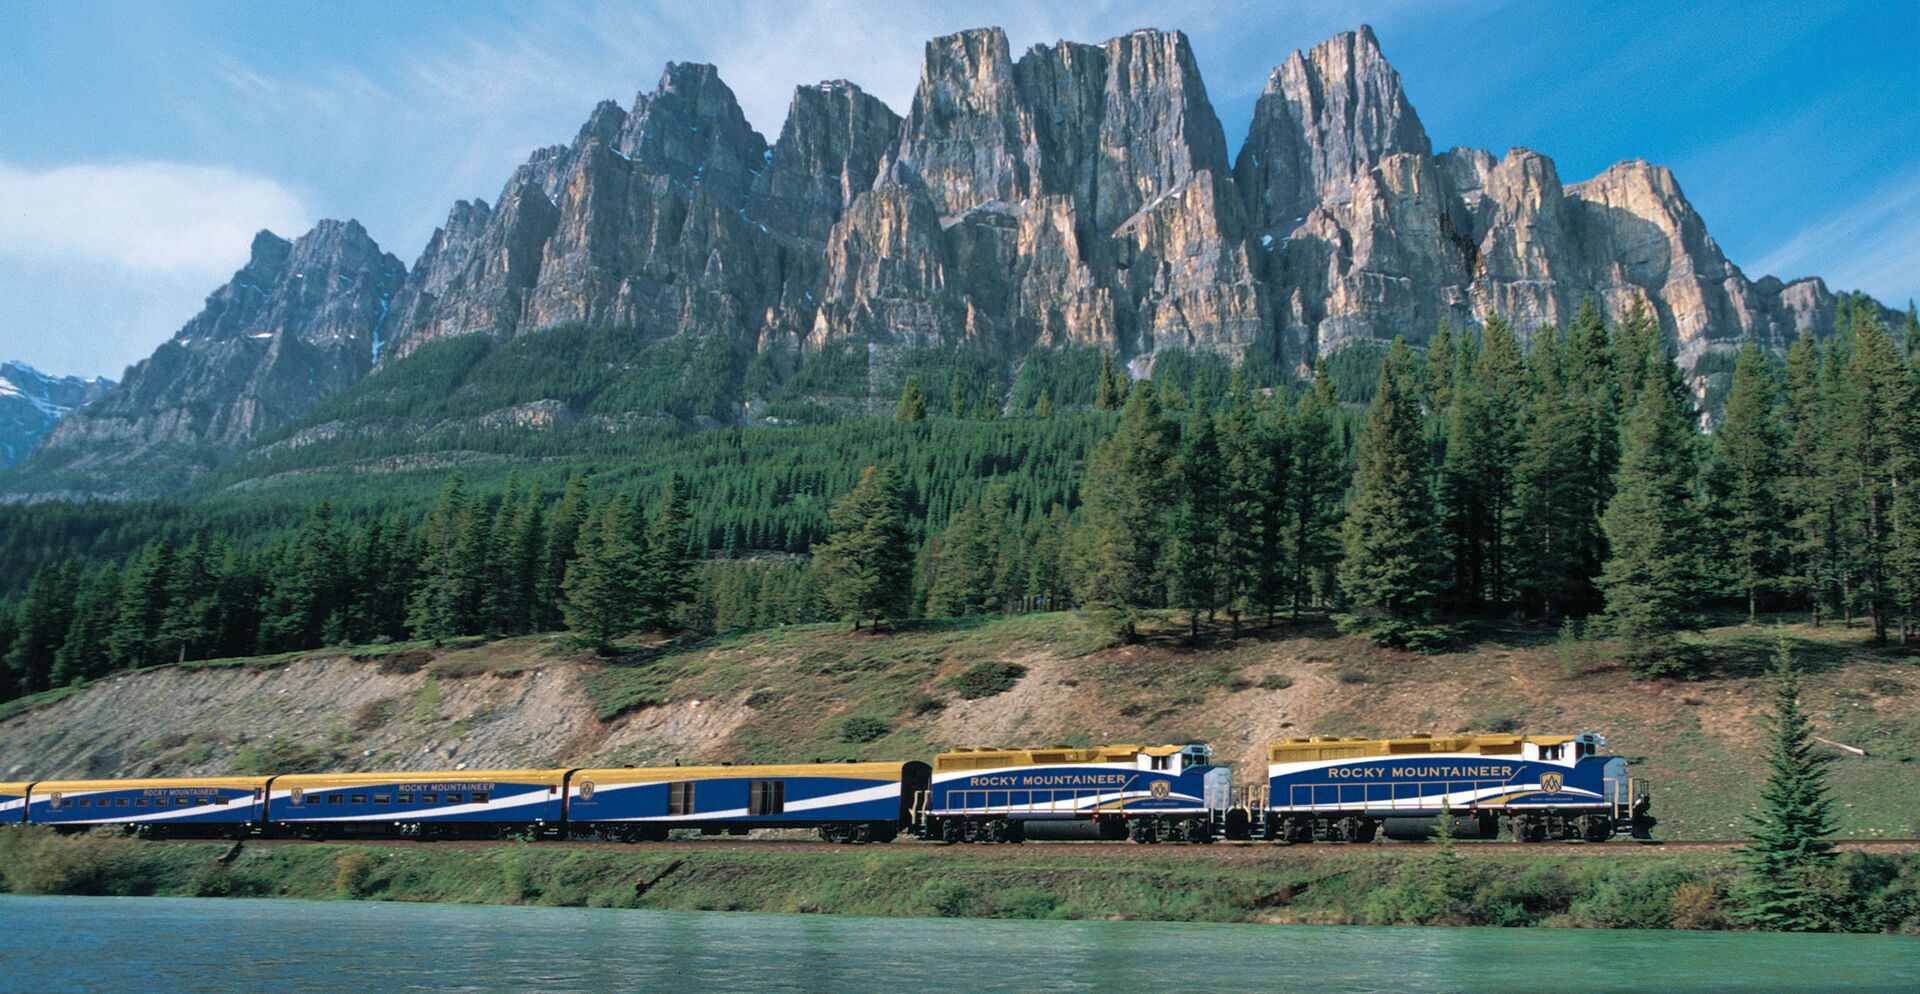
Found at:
[1160, 790]
[295, 795]
[586, 790]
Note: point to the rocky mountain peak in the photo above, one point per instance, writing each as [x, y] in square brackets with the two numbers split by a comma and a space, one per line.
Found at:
[32, 403]
[1325, 118]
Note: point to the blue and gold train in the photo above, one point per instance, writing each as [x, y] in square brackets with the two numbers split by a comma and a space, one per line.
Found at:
[1319, 789]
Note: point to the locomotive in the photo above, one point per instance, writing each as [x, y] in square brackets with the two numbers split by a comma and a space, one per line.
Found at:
[1319, 789]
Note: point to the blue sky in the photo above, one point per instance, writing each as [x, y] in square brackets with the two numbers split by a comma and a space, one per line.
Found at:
[141, 145]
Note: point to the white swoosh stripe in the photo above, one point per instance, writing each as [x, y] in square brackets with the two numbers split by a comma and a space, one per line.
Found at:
[416, 812]
[885, 791]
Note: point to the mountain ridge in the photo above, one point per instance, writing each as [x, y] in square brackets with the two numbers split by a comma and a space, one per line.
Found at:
[1078, 195]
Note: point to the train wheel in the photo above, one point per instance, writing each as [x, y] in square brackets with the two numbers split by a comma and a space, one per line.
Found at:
[1596, 828]
[1141, 830]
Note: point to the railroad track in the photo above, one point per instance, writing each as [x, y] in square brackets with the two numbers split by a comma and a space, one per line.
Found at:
[1235, 851]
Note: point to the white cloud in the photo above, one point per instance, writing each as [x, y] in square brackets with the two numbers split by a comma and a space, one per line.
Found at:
[1873, 245]
[147, 217]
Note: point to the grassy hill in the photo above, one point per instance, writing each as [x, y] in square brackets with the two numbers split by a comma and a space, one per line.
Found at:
[820, 692]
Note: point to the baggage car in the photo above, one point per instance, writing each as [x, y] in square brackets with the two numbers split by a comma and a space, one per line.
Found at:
[842, 802]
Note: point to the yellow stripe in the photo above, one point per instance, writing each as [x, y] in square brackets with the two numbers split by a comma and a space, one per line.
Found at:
[44, 787]
[660, 774]
[311, 781]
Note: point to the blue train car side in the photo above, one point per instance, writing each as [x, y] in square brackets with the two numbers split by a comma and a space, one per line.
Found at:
[13, 802]
[1536, 787]
[843, 802]
[467, 804]
[215, 806]
[1147, 793]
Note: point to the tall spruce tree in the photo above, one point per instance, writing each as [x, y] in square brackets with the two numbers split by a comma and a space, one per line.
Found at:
[1317, 481]
[1652, 582]
[1555, 515]
[1252, 504]
[671, 566]
[1796, 815]
[1194, 575]
[564, 524]
[913, 403]
[1393, 565]
[1636, 350]
[1125, 503]
[603, 582]
[1878, 442]
[866, 563]
[1745, 481]
[44, 619]
[83, 654]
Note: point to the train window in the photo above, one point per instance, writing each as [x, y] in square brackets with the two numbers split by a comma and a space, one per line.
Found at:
[680, 798]
[766, 797]
[83, 803]
[404, 798]
[1160, 762]
[312, 799]
[222, 800]
[335, 799]
[479, 797]
[383, 798]
[1551, 752]
[453, 799]
[202, 801]
[359, 798]
[429, 799]
[139, 802]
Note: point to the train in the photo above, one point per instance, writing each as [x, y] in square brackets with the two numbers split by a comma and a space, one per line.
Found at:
[1533, 788]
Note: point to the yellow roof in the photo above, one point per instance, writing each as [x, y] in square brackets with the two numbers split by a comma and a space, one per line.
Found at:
[658, 774]
[1335, 747]
[983, 759]
[236, 783]
[310, 781]
[15, 787]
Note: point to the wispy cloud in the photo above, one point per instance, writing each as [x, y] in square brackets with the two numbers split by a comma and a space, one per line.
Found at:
[142, 216]
[1874, 245]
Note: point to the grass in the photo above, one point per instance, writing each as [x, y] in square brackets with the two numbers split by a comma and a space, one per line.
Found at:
[1375, 885]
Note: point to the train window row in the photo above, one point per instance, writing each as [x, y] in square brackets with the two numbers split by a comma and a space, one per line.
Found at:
[137, 802]
[477, 797]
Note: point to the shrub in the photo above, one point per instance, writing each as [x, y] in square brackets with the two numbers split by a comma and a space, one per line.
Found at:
[353, 874]
[1275, 681]
[762, 698]
[279, 756]
[1350, 676]
[926, 704]
[863, 728]
[38, 861]
[986, 680]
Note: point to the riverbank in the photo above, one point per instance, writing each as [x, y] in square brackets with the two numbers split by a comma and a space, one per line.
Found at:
[1867, 891]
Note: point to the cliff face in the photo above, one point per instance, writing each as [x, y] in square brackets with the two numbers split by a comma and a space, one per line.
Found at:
[298, 323]
[1076, 194]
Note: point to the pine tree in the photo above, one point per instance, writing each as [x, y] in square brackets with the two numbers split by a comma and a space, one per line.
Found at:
[866, 563]
[192, 624]
[83, 653]
[1878, 442]
[1910, 332]
[1125, 501]
[1253, 567]
[563, 534]
[1555, 514]
[1392, 568]
[966, 559]
[671, 581]
[45, 617]
[1106, 396]
[1652, 582]
[1796, 814]
[913, 403]
[1635, 353]
[1043, 407]
[1745, 483]
[1317, 480]
[143, 605]
[603, 582]
[1194, 562]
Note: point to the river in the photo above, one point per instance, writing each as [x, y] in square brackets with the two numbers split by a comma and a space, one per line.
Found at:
[293, 947]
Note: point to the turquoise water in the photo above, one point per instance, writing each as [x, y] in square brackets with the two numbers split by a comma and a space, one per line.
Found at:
[157, 944]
